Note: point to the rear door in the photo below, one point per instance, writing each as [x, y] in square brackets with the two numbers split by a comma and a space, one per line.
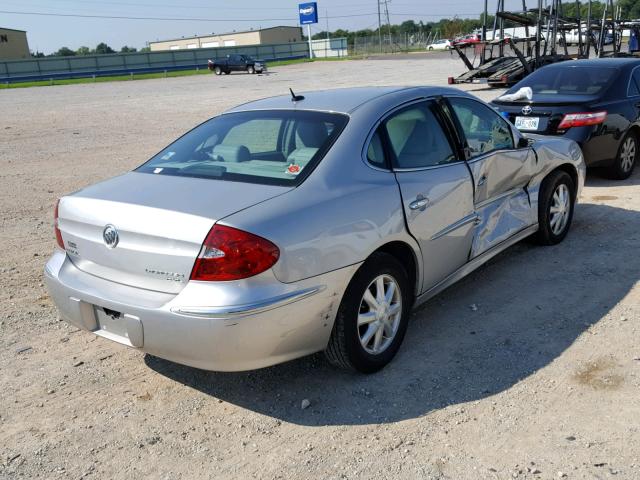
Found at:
[501, 173]
[435, 185]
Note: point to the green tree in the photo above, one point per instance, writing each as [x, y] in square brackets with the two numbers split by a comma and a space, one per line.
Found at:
[145, 49]
[630, 9]
[83, 51]
[102, 48]
[64, 52]
[127, 49]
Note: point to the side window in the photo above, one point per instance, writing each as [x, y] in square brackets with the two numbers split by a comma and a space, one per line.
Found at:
[484, 129]
[634, 83]
[417, 139]
[375, 151]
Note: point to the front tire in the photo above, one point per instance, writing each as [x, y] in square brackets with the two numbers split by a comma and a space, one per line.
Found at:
[555, 207]
[626, 158]
[373, 316]
[217, 70]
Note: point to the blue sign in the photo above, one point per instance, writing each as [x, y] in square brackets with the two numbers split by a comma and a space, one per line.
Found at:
[308, 13]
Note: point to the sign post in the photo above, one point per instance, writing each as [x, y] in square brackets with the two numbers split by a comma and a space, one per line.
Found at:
[308, 14]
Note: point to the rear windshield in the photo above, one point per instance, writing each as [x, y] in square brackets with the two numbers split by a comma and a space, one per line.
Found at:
[271, 147]
[572, 80]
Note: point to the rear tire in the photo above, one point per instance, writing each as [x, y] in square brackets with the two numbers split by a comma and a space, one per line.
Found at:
[251, 70]
[555, 208]
[626, 158]
[373, 316]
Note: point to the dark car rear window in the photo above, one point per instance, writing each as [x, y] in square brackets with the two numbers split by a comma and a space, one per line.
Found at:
[570, 80]
[278, 147]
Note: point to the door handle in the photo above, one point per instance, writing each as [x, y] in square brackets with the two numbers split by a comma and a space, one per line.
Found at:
[482, 180]
[420, 203]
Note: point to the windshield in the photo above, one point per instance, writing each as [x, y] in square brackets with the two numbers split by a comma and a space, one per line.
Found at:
[270, 147]
[569, 80]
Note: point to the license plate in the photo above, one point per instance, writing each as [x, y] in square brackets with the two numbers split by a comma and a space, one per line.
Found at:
[527, 123]
[111, 322]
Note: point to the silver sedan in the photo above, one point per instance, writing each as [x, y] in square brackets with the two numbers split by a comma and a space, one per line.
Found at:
[304, 223]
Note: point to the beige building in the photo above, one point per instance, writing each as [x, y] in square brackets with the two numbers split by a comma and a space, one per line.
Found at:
[13, 44]
[264, 36]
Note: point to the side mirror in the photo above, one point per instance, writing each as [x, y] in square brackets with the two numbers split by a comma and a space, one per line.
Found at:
[523, 142]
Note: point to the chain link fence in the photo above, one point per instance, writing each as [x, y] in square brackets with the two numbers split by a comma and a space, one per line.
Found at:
[405, 42]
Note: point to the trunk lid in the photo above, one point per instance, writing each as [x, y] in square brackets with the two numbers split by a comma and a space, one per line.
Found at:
[548, 109]
[161, 222]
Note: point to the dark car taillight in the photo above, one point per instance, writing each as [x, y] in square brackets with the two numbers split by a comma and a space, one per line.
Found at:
[55, 226]
[582, 119]
[231, 254]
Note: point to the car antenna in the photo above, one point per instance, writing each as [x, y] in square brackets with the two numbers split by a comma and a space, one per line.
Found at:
[294, 97]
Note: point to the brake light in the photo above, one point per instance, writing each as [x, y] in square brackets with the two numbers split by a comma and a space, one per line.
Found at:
[55, 226]
[582, 119]
[231, 254]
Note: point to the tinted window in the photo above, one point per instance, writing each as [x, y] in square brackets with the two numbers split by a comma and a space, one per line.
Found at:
[272, 147]
[417, 139]
[375, 151]
[484, 129]
[568, 80]
[634, 83]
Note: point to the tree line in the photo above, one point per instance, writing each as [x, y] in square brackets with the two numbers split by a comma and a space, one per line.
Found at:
[101, 49]
[452, 27]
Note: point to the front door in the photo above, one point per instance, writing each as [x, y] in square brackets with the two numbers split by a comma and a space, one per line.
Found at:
[501, 173]
[435, 185]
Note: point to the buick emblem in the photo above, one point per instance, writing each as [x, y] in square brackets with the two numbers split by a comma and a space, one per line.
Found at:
[526, 110]
[110, 236]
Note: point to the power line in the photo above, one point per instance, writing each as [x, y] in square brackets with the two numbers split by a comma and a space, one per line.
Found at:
[127, 17]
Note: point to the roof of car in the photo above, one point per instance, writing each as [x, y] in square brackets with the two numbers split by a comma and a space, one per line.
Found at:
[341, 100]
[598, 62]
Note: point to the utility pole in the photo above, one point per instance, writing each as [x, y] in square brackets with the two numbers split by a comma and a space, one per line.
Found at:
[327, 14]
[379, 27]
[386, 9]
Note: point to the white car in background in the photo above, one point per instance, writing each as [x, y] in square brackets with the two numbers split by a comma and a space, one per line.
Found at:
[442, 44]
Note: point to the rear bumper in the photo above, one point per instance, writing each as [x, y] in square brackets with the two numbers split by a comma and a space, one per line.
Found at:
[223, 326]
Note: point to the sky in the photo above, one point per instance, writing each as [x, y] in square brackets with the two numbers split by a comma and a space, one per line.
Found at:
[47, 33]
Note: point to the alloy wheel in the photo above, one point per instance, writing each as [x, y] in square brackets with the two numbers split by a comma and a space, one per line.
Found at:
[560, 209]
[379, 314]
[628, 154]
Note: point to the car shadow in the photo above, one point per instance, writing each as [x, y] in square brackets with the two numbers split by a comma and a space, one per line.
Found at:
[597, 177]
[501, 324]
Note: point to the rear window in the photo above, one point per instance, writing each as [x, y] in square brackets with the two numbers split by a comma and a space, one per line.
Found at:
[570, 80]
[270, 147]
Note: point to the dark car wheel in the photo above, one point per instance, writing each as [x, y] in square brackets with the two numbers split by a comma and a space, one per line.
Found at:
[555, 207]
[251, 70]
[372, 317]
[217, 70]
[626, 159]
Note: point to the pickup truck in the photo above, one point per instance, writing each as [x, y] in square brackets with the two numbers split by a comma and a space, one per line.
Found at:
[236, 63]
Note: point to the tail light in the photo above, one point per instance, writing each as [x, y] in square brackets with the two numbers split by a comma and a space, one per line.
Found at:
[583, 119]
[231, 254]
[450, 81]
[55, 226]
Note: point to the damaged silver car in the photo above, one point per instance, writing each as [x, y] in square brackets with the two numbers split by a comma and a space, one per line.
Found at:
[305, 223]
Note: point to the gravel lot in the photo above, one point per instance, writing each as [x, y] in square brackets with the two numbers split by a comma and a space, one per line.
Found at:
[529, 368]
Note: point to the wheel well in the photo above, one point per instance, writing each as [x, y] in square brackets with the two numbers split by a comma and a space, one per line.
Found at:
[573, 173]
[635, 130]
[405, 255]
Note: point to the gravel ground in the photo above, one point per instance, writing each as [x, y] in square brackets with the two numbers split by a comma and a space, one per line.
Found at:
[529, 368]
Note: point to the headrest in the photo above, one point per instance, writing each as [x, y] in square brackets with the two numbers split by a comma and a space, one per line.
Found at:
[312, 134]
[231, 153]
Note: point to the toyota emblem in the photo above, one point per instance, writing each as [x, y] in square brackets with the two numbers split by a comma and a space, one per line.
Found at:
[526, 110]
[110, 236]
